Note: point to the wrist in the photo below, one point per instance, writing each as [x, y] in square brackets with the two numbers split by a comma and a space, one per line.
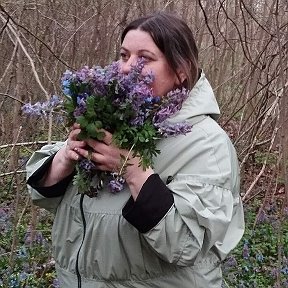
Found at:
[64, 161]
[135, 178]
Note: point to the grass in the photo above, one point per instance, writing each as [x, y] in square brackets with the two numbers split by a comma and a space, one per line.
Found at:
[261, 258]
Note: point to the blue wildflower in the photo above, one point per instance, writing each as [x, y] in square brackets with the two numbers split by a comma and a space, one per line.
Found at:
[14, 281]
[42, 109]
[38, 237]
[65, 87]
[285, 270]
[22, 252]
[259, 257]
[23, 276]
[33, 110]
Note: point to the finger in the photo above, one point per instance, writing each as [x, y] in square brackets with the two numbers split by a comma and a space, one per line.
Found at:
[74, 134]
[76, 126]
[73, 143]
[97, 146]
[90, 155]
[107, 138]
[73, 155]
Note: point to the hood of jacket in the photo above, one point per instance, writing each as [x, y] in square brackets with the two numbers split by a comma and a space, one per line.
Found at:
[201, 101]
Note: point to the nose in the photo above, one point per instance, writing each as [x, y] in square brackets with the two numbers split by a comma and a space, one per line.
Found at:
[125, 66]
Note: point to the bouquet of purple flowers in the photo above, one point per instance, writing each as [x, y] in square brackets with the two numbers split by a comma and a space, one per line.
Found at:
[104, 98]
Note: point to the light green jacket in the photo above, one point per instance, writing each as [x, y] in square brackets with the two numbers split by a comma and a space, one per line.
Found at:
[185, 249]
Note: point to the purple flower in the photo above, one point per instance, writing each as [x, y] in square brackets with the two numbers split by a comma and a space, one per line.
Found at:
[33, 110]
[23, 276]
[285, 212]
[172, 103]
[262, 217]
[5, 223]
[274, 273]
[87, 165]
[172, 129]
[231, 262]
[56, 283]
[42, 109]
[54, 101]
[38, 237]
[4, 214]
[116, 184]
[81, 105]
[246, 250]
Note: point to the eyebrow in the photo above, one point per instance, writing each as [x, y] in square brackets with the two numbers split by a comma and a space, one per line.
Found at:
[142, 50]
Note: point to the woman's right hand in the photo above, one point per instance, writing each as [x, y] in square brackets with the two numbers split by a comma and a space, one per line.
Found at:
[70, 154]
[64, 161]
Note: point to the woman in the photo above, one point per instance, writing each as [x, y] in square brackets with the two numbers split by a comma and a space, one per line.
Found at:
[172, 225]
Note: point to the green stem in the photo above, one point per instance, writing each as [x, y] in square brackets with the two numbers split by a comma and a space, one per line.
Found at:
[126, 159]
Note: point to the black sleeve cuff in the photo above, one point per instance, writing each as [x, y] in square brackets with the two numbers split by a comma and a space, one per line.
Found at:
[151, 205]
[55, 190]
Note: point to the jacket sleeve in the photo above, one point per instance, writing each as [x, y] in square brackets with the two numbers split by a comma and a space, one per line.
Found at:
[49, 197]
[205, 213]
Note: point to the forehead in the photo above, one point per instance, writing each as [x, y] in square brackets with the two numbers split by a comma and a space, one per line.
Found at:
[136, 40]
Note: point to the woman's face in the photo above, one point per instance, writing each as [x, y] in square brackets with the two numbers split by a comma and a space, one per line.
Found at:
[137, 44]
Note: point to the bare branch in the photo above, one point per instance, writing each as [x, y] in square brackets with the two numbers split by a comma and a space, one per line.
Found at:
[207, 24]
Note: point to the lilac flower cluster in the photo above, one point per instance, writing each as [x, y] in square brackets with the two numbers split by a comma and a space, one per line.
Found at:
[42, 108]
[123, 104]
[132, 90]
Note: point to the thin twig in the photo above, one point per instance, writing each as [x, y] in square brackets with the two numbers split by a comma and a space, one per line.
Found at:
[13, 173]
[25, 144]
[10, 62]
[12, 97]
[13, 146]
[207, 24]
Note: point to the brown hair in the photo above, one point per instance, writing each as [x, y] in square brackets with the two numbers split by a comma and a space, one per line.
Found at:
[175, 40]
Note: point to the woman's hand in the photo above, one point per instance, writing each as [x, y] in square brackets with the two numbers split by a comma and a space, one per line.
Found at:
[108, 157]
[69, 154]
[105, 155]
[64, 161]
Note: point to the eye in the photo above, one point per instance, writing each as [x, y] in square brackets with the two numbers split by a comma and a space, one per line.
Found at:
[147, 58]
[124, 56]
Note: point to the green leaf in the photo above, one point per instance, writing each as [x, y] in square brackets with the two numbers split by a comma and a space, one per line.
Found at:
[91, 102]
[142, 139]
[82, 121]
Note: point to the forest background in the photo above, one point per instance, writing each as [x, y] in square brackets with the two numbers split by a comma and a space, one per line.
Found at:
[243, 50]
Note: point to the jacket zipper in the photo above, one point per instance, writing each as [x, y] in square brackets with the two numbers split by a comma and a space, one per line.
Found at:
[84, 233]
